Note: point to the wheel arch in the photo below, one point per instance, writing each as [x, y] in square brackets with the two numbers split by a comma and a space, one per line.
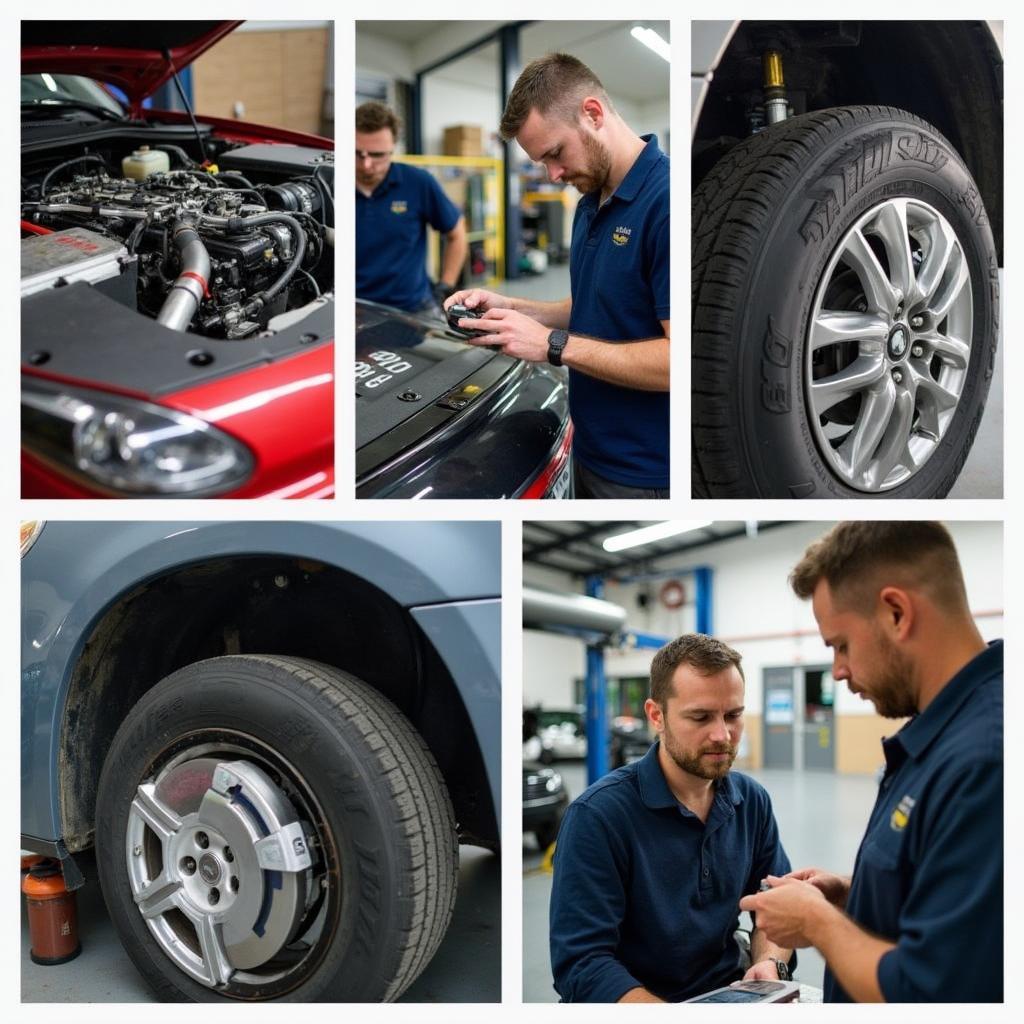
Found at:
[267, 604]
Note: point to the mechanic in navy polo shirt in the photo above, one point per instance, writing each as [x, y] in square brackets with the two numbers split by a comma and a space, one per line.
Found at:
[613, 332]
[652, 860]
[394, 204]
[921, 919]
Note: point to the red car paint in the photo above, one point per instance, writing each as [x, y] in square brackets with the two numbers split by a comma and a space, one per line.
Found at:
[283, 411]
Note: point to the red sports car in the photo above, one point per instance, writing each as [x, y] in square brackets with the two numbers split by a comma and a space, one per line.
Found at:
[177, 279]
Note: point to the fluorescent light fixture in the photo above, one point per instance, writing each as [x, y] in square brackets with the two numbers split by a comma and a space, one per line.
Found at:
[647, 534]
[652, 41]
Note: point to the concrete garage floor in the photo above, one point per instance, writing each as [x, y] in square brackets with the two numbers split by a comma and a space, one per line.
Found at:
[821, 820]
[982, 475]
[466, 969]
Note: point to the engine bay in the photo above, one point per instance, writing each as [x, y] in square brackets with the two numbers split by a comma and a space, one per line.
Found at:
[234, 246]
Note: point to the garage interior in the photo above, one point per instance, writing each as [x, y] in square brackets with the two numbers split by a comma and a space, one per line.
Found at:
[809, 741]
[447, 81]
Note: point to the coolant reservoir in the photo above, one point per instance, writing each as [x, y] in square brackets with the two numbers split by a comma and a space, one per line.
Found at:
[144, 162]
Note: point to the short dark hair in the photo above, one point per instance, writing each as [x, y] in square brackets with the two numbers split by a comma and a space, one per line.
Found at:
[704, 653]
[857, 559]
[553, 83]
[373, 116]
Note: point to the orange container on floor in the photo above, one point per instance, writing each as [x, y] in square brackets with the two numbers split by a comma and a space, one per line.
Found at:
[52, 921]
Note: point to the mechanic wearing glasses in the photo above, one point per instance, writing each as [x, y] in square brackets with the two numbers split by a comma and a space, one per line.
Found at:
[394, 204]
[613, 331]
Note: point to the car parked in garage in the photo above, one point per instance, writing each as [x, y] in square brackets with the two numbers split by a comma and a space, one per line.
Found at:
[545, 799]
[177, 279]
[437, 417]
[275, 735]
[847, 231]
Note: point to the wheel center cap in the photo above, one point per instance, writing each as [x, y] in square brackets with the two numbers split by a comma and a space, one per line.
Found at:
[899, 342]
[209, 869]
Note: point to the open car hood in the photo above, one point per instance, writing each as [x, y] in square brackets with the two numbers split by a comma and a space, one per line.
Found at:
[128, 54]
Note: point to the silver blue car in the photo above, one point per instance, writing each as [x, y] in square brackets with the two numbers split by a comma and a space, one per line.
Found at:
[275, 734]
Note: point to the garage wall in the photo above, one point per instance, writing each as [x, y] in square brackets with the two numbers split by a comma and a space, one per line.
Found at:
[755, 611]
[448, 102]
[274, 77]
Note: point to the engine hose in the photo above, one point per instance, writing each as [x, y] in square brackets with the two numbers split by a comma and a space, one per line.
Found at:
[90, 158]
[190, 286]
[186, 161]
[235, 176]
[244, 223]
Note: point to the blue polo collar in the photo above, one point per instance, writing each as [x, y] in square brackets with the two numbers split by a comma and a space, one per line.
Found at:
[654, 789]
[923, 729]
[629, 187]
[392, 179]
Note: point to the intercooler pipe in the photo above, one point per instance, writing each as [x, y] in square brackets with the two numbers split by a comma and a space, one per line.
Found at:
[190, 285]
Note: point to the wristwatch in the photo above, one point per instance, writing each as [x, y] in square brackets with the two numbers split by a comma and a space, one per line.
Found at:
[781, 967]
[557, 341]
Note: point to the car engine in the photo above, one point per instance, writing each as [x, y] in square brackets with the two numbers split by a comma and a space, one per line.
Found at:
[220, 251]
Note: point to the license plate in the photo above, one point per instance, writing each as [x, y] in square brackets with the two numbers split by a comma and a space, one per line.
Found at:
[560, 485]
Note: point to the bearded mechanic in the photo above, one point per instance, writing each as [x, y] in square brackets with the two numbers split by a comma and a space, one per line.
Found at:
[613, 332]
[921, 918]
[652, 859]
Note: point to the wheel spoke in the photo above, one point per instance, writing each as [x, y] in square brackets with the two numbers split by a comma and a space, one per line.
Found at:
[859, 375]
[892, 450]
[157, 815]
[875, 412]
[831, 328]
[216, 966]
[880, 294]
[159, 896]
[950, 350]
[891, 227]
[953, 284]
[933, 269]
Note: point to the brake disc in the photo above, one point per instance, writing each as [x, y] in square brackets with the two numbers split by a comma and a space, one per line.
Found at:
[219, 842]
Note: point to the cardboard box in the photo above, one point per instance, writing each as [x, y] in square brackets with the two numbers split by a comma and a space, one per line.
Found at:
[464, 140]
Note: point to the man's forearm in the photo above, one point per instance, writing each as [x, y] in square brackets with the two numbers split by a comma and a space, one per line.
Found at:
[643, 365]
[454, 256]
[852, 953]
[551, 314]
[762, 949]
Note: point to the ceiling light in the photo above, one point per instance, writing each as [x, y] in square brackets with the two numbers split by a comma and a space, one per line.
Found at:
[647, 534]
[652, 41]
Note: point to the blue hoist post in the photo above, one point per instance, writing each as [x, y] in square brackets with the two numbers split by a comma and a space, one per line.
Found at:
[703, 576]
[597, 698]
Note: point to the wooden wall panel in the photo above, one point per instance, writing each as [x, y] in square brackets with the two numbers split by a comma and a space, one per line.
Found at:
[278, 76]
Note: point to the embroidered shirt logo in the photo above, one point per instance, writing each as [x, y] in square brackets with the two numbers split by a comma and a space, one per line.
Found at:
[399, 206]
[901, 815]
[620, 236]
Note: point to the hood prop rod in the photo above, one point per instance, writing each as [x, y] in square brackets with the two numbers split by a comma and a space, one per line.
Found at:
[188, 106]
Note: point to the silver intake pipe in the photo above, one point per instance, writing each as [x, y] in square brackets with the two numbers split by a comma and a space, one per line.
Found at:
[191, 284]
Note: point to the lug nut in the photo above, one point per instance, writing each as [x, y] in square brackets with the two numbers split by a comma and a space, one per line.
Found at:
[188, 865]
[917, 351]
[228, 855]
[234, 884]
[214, 896]
[917, 321]
[897, 376]
[202, 840]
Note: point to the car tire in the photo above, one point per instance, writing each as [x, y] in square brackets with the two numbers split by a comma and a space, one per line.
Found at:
[285, 830]
[798, 232]
[546, 834]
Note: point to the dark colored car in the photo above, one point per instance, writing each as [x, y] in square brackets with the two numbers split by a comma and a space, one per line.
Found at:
[437, 417]
[275, 734]
[177, 280]
[630, 738]
[544, 802]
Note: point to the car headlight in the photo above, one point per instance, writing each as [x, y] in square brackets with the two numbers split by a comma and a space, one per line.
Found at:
[554, 783]
[30, 530]
[130, 446]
